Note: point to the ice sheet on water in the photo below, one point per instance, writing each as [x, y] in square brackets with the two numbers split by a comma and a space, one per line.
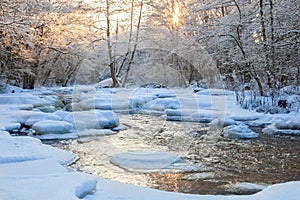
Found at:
[149, 160]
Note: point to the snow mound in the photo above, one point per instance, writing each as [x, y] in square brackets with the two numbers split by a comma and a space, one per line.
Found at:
[240, 131]
[51, 126]
[150, 161]
[93, 119]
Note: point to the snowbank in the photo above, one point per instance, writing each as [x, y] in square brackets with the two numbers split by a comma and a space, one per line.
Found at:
[111, 190]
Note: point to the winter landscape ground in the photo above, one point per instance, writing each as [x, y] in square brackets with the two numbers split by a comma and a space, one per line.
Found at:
[33, 170]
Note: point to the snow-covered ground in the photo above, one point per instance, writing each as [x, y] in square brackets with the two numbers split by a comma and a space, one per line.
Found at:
[31, 170]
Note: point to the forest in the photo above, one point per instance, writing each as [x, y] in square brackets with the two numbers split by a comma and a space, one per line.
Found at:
[242, 45]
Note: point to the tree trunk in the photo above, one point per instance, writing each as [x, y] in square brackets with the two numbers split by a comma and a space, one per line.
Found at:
[135, 44]
[28, 81]
[109, 47]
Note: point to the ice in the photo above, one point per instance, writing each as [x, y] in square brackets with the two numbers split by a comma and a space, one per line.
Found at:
[150, 161]
[240, 131]
[51, 126]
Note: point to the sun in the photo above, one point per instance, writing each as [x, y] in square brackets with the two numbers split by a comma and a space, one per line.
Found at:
[175, 19]
[176, 15]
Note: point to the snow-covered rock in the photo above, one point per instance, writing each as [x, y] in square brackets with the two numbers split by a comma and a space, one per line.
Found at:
[51, 126]
[162, 104]
[239, 131]
[151, 161]
[34, 117]
[93, 119]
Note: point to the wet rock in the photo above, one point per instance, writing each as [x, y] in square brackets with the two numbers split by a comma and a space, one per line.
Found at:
[244, 188]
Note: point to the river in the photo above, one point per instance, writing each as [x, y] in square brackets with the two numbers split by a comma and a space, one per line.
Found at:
[221, 161]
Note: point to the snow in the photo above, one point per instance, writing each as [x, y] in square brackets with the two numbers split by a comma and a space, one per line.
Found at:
[22, 148]
[151, 161]
[22, 98]
[112, 190]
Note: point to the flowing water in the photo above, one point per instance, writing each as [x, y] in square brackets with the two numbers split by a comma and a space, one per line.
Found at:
[221, 161]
